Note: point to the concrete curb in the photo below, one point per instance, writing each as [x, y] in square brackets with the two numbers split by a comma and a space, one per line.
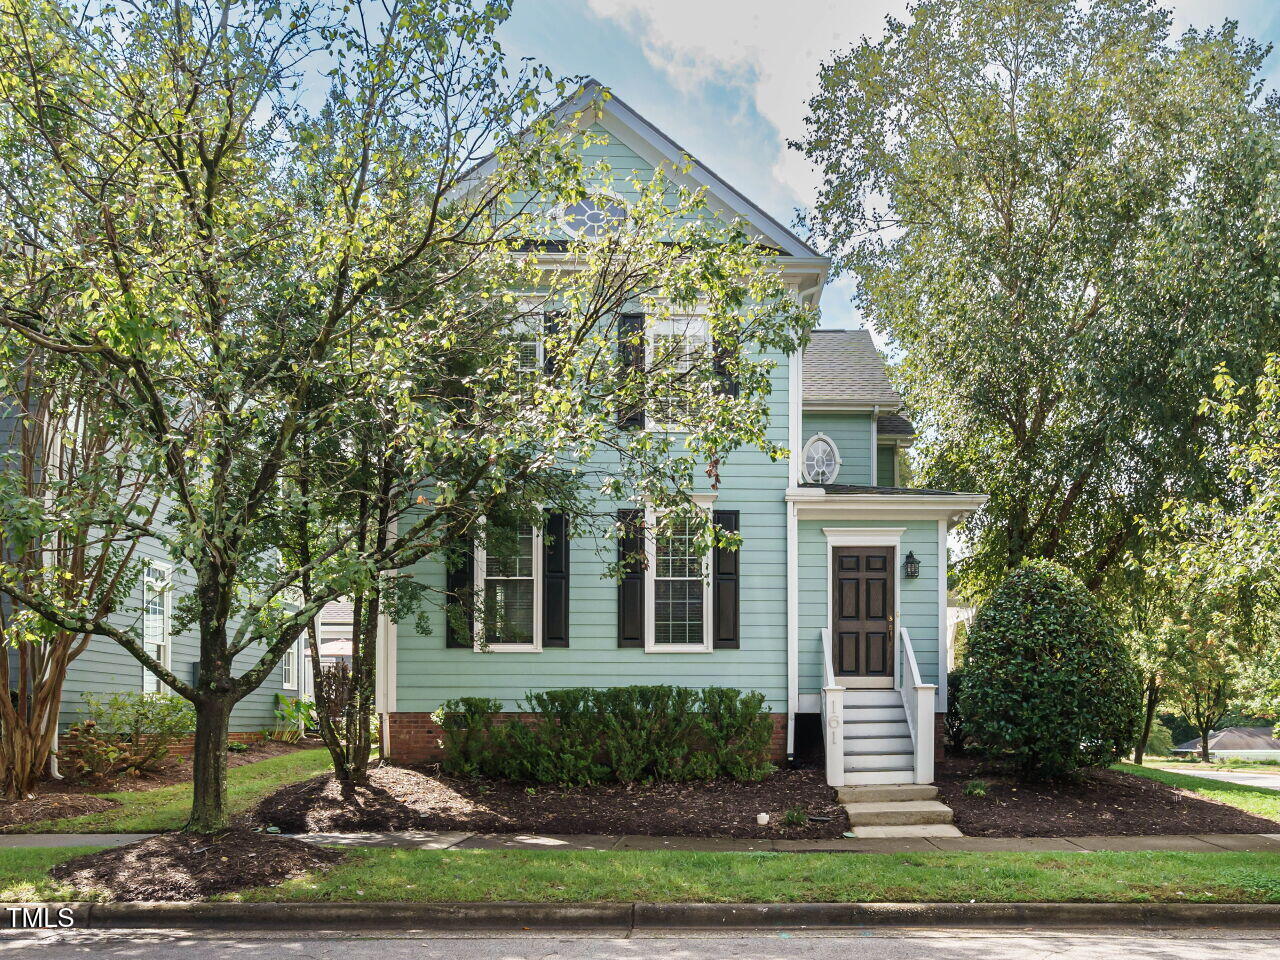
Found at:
[316, 917]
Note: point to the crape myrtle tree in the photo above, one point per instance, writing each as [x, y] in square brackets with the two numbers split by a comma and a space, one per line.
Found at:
[1058, 212]
[302, 321]
[75, 507]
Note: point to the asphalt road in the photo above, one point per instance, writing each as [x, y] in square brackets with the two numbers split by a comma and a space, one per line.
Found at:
[860, 945]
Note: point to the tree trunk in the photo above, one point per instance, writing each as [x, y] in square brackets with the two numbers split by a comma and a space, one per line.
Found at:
[209, 766]
[1148, 720]
[1204, 744]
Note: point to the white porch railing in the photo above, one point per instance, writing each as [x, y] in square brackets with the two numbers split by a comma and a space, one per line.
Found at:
[918, 700]
[832, 715]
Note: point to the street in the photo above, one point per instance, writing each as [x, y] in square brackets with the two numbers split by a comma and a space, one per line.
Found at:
[877, 944]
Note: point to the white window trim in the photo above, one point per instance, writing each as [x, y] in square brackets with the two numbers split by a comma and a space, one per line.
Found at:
[704, 502]
[291, 659]
[166, 649]
[560, 213]
[804, 456]
[696, 326]
[532, 324]
[478, 592]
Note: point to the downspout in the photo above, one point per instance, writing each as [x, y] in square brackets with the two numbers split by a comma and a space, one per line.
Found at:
[795, 414]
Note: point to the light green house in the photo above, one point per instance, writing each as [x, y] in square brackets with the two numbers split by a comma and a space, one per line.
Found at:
[834, 607]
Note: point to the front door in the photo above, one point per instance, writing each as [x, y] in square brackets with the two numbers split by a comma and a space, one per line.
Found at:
[862, 612]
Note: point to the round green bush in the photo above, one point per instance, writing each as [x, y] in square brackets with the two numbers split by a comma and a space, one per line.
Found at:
[1049, 684]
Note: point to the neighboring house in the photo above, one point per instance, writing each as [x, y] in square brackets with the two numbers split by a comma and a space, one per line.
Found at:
[1239, 743]
[834, 607]
[105, 667]
[333, 627]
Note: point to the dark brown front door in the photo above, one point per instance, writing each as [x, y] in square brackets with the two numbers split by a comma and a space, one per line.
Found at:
[862, 611]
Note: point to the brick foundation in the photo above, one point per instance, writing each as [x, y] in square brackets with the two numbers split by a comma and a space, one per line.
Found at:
[416, 738]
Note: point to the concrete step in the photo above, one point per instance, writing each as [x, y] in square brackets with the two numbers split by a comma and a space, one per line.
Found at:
[879, 761]
[876, 728]
[872, 698]
[862, 778]
[875, 714]
[887, 793]
[884, 745]
[918, 830]
[898, 813]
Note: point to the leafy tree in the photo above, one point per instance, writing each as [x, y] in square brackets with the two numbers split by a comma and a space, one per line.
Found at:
[1060, 215]
[74, 509]
[1049, 685]
[260, 290]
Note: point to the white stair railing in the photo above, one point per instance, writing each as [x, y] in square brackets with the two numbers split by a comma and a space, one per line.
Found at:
[832, 715]
[918, 700]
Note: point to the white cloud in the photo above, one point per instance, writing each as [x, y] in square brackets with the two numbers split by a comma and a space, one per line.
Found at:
[769, 50]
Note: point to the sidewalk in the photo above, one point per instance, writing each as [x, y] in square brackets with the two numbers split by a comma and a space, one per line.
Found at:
[458, 840]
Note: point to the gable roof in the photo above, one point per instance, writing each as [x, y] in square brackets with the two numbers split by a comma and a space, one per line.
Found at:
[894, 426]
[660, 150]
[1236, 738]
[844, 366]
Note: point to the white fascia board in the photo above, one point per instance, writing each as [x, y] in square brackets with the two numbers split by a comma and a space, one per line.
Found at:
[850, 406]
[871, 506]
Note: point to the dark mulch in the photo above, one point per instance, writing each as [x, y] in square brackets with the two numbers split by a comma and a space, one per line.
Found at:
[51, 806]
[180, 866]
[1101, 802]
[404, 798]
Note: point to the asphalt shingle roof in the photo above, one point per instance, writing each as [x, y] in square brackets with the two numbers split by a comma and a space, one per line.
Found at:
[894, 426]
[845, 366]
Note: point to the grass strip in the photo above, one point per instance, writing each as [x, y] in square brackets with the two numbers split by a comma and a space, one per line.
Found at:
[1256, 800]
[167, 808]
[668, 876]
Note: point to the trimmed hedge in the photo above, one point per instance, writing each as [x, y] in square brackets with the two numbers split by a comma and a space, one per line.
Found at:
[1048, 685]
[582, 736]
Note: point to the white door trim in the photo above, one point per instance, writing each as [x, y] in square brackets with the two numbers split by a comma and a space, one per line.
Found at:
[867, 537]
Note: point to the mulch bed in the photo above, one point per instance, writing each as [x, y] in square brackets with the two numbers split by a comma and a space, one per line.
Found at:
[75, 796]
[181, 866]
[1100, 803]
[404, 798]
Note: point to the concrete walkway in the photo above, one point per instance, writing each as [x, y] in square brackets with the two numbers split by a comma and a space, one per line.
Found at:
[1246, 778]
[459, 840]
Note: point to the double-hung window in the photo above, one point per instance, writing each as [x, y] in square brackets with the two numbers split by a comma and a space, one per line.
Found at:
[157, 614]
[289, 667]
[680, 585]
[509, 586]
[673, 347]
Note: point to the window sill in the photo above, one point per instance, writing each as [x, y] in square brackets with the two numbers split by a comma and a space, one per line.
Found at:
[508, 648]
[678, 648]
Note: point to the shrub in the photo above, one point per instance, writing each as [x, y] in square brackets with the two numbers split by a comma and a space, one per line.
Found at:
[975, 788]
[1049, 685]
[581, 736]
[141, 726]
[953, 730]
[1159, 741]
[468, 724]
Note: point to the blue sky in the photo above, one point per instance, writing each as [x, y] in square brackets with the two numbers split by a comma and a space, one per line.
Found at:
[729, 79]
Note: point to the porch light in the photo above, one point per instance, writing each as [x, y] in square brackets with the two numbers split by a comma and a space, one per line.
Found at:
[911, 566]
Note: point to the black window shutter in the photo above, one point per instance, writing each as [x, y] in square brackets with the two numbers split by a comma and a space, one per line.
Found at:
[728, 385]
[550, 327]
[555, 581]
[459, 585]
[631, 587]
[724, 587]
[631, 358]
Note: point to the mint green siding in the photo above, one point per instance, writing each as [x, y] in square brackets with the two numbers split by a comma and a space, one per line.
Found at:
[886, 454]
[851, 433]
[428, 673]
[918, 598]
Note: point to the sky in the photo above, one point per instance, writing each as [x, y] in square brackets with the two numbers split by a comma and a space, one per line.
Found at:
[729, 80]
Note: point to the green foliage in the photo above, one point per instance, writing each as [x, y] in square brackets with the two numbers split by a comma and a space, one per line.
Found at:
[1050, 686]
[293, 716]
[953, 726]
[583, 735]
[129, 731]
[1063, 216]
[975, 788]
[468, 731]
[795, 817]
[238, 746]
[1160, 741]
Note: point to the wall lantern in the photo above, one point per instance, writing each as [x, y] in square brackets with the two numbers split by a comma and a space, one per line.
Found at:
[911, 566]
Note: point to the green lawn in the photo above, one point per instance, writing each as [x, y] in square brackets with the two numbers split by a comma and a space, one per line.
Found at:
[166, 808]
[1249, 766]
[1256, 800]
[670, 876]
